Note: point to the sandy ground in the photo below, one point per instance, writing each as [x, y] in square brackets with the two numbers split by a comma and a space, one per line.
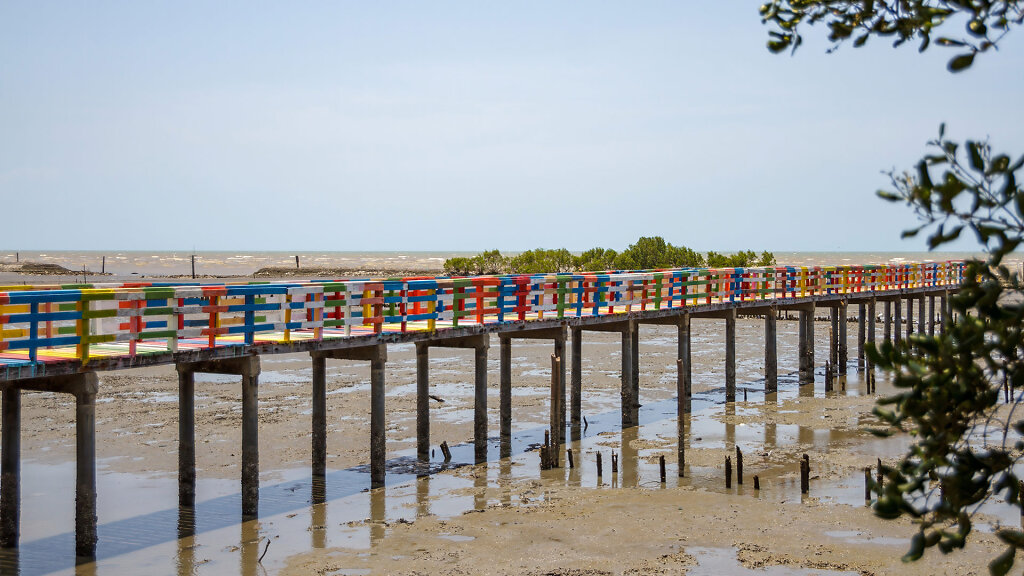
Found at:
[556, 522]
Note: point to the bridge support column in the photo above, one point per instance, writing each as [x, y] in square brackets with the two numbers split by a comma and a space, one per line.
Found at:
[85, 466]
[560, 354]
[186, 438]
[684, 390]
[248, 367]
[844, 355]
[505, 396]
[833, 337]
[577, 377]
[897, 331]
[771, 354]
[730, 356]
[887, 327]
[920, 315]
[422, 402]
[558, 336]
[861, 334]
[909, 317]
[868, 368]
[480, 401]
[684, 378]
[931, 315]
[10, 468]
[377, 356]
[944, 311]
[479, 344]
[319, 416]
[630, 415]
[806, 346]
[83, 386]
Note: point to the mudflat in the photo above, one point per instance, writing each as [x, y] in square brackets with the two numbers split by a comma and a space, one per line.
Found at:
[509, 517]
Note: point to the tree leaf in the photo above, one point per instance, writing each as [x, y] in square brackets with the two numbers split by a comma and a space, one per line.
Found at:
[961, 62]
[1002, 563]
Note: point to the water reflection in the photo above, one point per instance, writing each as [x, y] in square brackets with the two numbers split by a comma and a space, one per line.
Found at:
[378, 513]
[186, 540]
[250, 544]
[318, 514]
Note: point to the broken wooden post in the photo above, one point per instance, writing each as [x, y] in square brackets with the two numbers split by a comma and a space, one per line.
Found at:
[599, 467]
[446, 452]
[661, 464]
[757, 482]
[867, 483]
[879, 478]
[615, 463]
[739, 466]
[843, 344]
[805, 474]
[568, 456]
[728, 472]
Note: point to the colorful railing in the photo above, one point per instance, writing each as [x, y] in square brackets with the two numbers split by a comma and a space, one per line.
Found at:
[40, 324]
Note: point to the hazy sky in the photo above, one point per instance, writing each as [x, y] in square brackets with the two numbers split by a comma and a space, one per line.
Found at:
[464, 126]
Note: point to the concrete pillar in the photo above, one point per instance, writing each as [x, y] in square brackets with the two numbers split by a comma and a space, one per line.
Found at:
[897, 321]
[861, 334]
[560, 354]
[554, 406]
[806, 346]
[833, 337]
[627, 400]
[378, 423]
[944, 311]
[250, 440]
[887, 329]
[685, 376]
[931, 315]
[480, 405]
[909, 317]
[730, 356]
[10, 468]
[920, 315]
[186, 438]
[85, 466]
[319, 417]
[577, 376]
[771, 354]
[636, 364]
[871, 332]
[505, 396]
[422, 402]
[844, 355]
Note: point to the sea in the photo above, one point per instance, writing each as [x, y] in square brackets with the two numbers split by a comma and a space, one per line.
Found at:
[155, 264]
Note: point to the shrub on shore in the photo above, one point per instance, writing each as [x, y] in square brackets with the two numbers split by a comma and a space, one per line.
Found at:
[645, 254]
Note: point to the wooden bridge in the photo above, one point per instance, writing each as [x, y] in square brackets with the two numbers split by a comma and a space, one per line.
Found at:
[58, 338]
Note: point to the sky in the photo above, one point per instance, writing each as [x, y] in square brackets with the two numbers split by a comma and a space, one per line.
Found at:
[466, 126]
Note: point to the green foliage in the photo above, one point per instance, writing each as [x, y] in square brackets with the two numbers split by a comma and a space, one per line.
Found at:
[646, 254]
[488, 262]
[741, 259]
[949, 384]
[542, 261]
[653, 252]
[987, 21]
[967, 444]
[596, 259]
